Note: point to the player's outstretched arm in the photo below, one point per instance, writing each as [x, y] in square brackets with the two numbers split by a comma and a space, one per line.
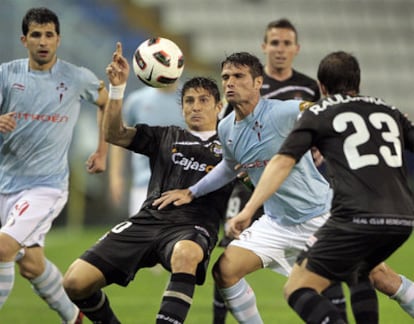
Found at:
[96, 162]
[275, 172]
[115, 132]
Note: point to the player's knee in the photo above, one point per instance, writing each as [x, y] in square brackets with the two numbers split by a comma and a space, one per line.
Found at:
[186, 256]
[8, 248]
[78, 283]
[74, 286]
[223, 273]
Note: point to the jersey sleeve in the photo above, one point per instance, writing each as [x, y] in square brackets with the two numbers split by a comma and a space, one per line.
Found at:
[147, 139]
[285, 116]
[91, 84]
[301, 138]
[222, 174]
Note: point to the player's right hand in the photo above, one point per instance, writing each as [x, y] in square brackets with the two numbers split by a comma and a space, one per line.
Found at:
[118, 70]
[237, 224]
[7, 122]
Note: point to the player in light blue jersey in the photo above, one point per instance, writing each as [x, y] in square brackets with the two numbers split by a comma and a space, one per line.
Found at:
[39, 106]
[249, 135]
[256, 128]
[152, 106]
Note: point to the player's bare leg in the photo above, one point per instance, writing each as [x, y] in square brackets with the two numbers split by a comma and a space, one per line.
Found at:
[178, 295]
[46, 280]
[396, 286]
[229, 272]
[84, 282]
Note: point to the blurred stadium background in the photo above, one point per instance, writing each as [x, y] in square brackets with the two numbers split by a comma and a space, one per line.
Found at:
[378, 32]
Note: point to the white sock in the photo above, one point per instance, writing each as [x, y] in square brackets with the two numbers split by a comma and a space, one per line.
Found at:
[6, 280]
[49, 286]
[405, 295]
[241, 301]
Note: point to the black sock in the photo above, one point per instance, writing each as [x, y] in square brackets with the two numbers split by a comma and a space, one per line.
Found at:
[219, 308]
[335, 294]
[96, 308]
[177, 299]
[314, 308]
[364, 302]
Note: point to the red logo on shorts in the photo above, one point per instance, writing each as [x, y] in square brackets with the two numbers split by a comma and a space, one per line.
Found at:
[21, 207]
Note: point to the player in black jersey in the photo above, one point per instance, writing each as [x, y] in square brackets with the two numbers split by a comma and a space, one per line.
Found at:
[362, 140]
[179, 238]
[281, 81]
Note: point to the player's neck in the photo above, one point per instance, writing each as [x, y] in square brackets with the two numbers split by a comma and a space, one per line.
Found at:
[279, 74]
[35, 66]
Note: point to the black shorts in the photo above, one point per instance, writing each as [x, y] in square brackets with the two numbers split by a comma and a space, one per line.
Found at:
[140, 243]
[343, 255]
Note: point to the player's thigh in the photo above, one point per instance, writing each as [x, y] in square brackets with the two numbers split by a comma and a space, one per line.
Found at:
[27, 216]
[235, 263]
[83, 276]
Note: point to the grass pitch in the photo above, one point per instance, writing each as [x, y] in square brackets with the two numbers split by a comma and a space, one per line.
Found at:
[139, 302]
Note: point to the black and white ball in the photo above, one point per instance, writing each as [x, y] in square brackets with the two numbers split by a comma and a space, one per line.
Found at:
[158, 62]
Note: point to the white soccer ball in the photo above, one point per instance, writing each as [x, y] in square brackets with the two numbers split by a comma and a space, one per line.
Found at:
[158, 62]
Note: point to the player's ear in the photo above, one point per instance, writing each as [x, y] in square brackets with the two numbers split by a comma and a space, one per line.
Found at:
[258, 82]
[323, 89]
[219, 106]
[23, 40]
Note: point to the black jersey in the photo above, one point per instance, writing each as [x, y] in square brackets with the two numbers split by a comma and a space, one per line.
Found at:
[178, 159]
[298, 86]
[363, 142]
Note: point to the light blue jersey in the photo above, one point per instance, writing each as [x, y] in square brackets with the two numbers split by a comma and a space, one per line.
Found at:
[46, 104]
[156, 108]
[253, 141]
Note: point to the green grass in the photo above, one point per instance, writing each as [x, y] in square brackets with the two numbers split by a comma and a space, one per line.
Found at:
[139, 302]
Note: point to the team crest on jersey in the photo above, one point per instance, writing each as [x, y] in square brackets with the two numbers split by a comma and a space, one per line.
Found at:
[305, 105]
[61, 89]
[257, 127]
[216, 148]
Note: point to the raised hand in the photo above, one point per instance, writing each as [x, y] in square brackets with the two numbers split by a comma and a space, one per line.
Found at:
[118, 70]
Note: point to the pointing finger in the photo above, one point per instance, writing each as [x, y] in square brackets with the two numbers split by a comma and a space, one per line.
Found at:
[119, 48]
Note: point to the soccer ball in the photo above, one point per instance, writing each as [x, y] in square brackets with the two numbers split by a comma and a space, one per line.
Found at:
[158, 62]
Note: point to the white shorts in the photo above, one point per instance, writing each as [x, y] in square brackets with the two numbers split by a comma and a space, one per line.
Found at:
[276, 245]
[27, 216]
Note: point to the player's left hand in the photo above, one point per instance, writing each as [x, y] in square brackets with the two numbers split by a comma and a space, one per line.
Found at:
[96, 163]
[176, 197]
[237, 224]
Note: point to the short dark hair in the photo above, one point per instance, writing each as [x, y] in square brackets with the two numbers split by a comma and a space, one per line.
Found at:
[281, 23]
[202, 82]
[339, 72]
[245, 59]
[41, 16]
